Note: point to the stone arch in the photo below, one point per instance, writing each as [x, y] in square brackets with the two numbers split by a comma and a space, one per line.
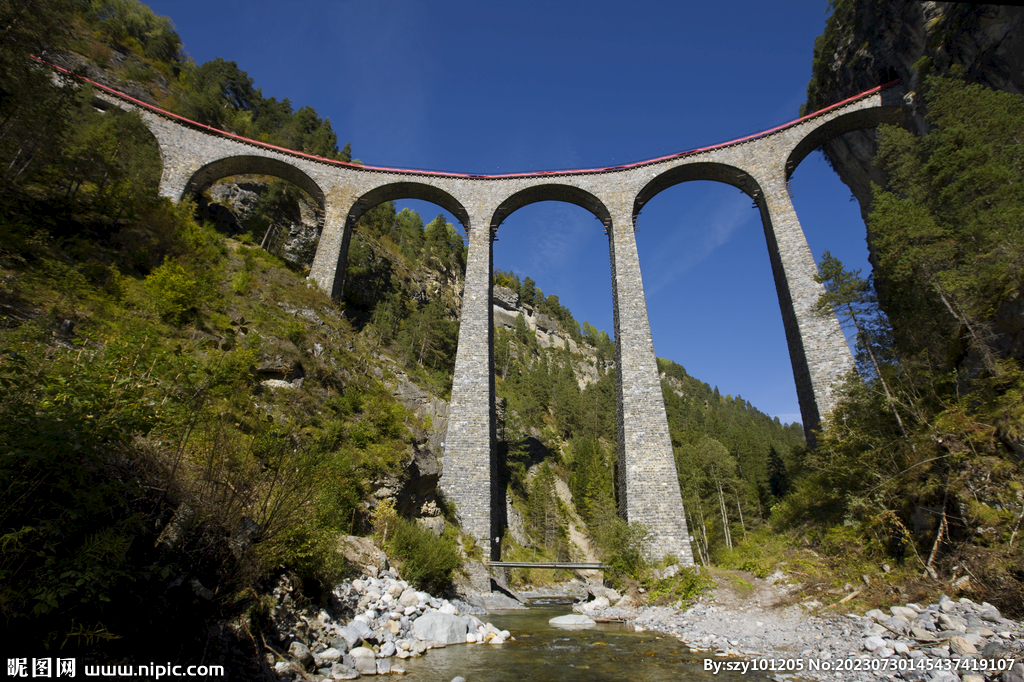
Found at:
[252, 165]
[889, 112]
[780, 256]
[408, 190]
[712, 171]
[550, 192]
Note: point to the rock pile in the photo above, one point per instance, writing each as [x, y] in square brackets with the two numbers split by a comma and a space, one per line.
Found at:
[950, 641]
[366, 624]
[606, 603]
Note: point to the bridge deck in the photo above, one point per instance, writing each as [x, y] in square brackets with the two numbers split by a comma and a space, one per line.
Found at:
[475, 176]
[549, 564]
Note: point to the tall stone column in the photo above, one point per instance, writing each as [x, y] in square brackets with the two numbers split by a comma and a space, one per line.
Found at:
[328, 269]
[817, 347]
[648, 483]
[468, 472]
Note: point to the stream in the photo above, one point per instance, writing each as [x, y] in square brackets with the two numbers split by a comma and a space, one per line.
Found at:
[546, 653]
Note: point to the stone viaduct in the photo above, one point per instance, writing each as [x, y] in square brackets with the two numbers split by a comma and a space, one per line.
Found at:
[760, 165]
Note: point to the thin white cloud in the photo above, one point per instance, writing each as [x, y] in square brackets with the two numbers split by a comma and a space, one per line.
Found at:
[561, 235]
[694, 239]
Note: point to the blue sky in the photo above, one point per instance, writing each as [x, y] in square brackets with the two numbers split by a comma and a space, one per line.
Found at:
[495, 87]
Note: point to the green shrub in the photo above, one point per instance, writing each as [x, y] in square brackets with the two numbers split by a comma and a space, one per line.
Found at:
[240, 282]
[685, 585]
[306, 547]
[173, 291]
[427, 561]
[66, 519]
[623, 545]
[296, 332]
[761, 553]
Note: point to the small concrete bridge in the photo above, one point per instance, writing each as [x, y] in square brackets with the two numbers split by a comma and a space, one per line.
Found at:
[195, 155]
[577, 566]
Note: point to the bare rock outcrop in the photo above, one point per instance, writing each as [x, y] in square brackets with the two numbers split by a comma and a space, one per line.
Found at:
[868, 43]
[293, 230]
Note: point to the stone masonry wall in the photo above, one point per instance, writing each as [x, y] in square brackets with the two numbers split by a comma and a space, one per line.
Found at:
[467, 476]
[648, 482]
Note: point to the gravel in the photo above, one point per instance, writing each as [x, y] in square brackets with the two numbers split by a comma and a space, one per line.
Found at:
[947, 641]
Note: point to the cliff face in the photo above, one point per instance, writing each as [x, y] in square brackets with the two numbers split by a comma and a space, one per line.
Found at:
[868, 42]
[290, 228]
[506, 307]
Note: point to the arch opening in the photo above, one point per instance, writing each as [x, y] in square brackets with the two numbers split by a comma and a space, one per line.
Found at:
[408, 190]
[830, 216]
[706, 267]
[107, 107]
[873, 117]
[252, 165]
[417, 317]
[714, 172]
[136, 141]
[398, 213]
[553, 345]
[276, 214]
[550, 192]
[719, 333]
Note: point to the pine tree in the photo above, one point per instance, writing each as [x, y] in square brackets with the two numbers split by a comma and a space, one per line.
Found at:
[852, 299]
[528, 293]
[777, 479]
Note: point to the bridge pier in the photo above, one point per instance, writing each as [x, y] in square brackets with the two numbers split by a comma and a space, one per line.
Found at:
[331, 259]
[648, 483]
[468, 475]
[817, 346]
[173, 179]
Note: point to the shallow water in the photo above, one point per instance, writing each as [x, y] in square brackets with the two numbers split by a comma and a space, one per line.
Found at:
[545, 653]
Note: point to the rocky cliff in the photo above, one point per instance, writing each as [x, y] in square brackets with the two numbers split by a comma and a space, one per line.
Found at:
[286, 223]
[506, 307]
[868, 42]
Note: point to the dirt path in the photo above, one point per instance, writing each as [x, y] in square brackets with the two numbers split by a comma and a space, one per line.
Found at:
[741, 590]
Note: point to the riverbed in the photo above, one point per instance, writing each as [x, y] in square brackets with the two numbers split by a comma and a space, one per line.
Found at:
[545, 653]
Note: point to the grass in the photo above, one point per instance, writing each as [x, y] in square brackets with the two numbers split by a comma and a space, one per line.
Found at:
[829, 565]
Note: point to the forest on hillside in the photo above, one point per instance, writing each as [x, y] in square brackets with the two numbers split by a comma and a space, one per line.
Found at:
[141, 430]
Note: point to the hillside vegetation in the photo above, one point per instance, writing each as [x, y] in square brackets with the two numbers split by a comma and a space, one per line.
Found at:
[183, 417]
[921, 460]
